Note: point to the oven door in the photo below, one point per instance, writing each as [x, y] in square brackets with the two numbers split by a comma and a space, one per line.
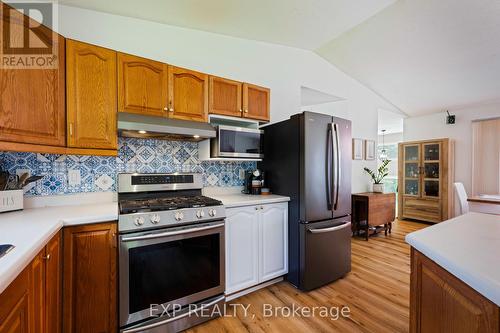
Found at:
[237, 142]
[169, 267]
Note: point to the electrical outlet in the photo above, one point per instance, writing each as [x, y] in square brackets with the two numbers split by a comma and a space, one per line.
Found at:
[74, 177]
[242, 174]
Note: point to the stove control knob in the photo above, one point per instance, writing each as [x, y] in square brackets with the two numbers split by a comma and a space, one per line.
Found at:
[200, 214]
[155, 218]
[139, 221]
[212, 212]
[179, 216]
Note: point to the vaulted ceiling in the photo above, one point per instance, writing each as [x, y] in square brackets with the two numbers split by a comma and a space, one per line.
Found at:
[306, 24]
[421, 55]
[425, 56]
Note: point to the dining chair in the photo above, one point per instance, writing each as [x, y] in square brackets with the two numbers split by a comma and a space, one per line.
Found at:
[462, 198]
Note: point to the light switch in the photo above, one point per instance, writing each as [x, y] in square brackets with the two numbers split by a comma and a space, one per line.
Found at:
[74, 177]
[242, 174]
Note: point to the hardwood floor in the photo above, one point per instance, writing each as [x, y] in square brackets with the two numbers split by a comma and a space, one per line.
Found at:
[376, 292]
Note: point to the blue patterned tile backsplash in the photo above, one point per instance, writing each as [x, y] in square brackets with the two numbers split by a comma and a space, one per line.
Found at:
[99, 173]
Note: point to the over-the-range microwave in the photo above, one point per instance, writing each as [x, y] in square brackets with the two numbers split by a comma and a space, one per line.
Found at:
[232, 141]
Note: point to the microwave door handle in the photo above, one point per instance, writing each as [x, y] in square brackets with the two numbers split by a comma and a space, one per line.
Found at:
[338, 165]
[170, 233]
[328, 167]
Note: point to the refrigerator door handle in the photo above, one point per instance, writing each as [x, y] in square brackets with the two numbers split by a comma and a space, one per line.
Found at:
[338, 166]
[339, 227]
[328, 171]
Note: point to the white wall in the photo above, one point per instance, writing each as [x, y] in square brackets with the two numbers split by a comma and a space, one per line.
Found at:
[391, 138]
[434, 126]
[283, 69]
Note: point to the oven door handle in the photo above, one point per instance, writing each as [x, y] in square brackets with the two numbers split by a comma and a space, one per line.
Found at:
[166, 321]
[170, 233]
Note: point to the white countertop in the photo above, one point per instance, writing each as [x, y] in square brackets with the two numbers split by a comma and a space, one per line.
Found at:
[239, 199]
[468, 247]
[29, 230]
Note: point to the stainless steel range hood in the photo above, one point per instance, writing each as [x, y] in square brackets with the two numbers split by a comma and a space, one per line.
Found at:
[140, 126]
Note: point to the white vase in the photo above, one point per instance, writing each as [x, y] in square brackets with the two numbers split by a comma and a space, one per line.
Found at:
[378, 188]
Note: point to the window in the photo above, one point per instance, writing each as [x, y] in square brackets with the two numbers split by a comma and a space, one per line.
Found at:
[486, 157]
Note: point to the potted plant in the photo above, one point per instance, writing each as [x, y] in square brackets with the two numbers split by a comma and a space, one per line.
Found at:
[379, 175]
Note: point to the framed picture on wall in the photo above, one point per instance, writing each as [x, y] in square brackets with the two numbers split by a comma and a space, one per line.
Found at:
[357, 149]
[369, 150]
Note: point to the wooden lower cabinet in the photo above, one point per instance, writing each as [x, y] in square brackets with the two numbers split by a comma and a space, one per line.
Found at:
[89, 278]
[53, 283]
[31, 303]
[38, 288]
[14, 305]
[440, 302]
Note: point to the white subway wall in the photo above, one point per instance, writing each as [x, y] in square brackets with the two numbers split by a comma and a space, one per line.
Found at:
[434, 126]
[283, 69]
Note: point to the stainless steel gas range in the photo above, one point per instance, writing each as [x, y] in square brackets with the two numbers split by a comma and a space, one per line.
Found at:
[171, 252]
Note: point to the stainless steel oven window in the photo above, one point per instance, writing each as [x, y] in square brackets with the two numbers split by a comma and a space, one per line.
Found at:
[181, 241]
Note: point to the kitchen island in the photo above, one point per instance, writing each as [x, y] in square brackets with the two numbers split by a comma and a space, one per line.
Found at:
[455, 275]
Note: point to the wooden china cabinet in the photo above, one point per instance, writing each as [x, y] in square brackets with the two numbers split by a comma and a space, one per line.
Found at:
[425, 179]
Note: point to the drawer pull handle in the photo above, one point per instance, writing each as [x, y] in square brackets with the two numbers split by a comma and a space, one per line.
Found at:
[339, 227]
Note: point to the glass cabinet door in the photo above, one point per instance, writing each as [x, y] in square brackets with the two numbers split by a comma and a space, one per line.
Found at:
[411, 172]
[431, 169]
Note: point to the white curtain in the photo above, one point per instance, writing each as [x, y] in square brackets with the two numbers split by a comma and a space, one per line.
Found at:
[486, 157]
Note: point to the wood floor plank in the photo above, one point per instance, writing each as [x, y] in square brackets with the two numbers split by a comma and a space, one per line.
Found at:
[376, 292]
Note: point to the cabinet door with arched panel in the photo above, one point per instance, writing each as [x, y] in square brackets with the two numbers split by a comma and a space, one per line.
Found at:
[274, 241]
[91, 96]
[142, 85]
[242, 248]
[187, 94]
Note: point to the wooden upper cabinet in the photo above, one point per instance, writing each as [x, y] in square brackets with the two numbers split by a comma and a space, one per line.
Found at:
[32, 106]
[256, 102]
[187, 94]
[142, 85]
[225, 97]
[89, 278]
[91, 96]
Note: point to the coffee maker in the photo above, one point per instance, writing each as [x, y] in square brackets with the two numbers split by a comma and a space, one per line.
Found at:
[247, 186]
[254, 180]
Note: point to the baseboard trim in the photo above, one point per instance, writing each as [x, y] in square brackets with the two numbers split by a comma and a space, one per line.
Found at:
[247, 291]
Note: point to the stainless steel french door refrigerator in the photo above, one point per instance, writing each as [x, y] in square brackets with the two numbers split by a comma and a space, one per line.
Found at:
[308, 158]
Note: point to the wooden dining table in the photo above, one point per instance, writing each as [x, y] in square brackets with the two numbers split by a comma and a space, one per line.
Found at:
[489, 204]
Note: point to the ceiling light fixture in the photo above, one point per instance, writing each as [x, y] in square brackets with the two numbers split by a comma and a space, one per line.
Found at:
[383, 152]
